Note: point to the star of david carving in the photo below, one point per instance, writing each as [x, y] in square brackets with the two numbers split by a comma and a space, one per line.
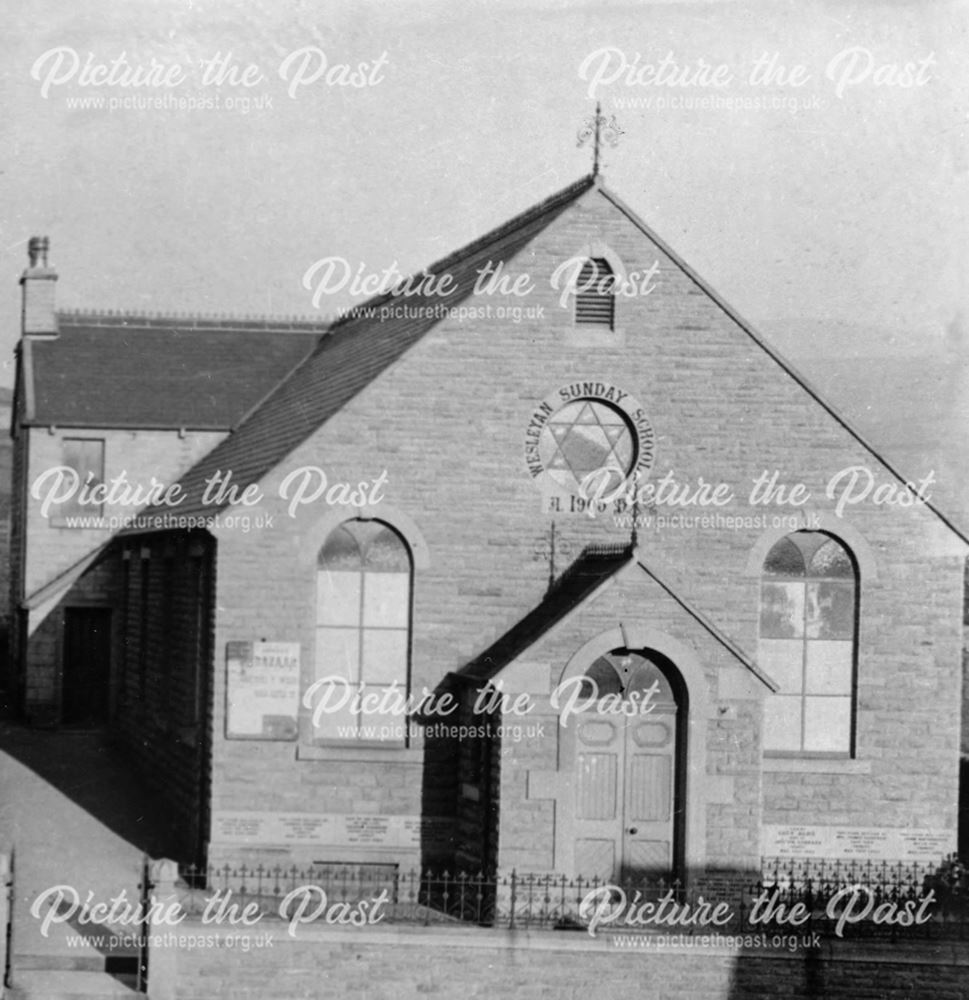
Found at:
[588, 438]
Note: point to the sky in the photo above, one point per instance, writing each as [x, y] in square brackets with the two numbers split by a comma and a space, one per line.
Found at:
[828, 204]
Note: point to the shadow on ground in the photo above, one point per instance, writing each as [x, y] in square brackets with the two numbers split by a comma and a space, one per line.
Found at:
[86, 767]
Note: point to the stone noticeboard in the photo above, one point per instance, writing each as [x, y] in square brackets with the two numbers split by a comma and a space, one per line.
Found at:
[366, 830]
[262, 690]
[892, 844]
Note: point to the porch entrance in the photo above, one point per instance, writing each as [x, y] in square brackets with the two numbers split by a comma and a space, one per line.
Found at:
[628, 788]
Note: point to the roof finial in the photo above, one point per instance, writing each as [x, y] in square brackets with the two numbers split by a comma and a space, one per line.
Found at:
[595, 154]
[599, 129]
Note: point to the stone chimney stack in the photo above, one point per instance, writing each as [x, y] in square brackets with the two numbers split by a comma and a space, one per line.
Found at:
[37, 282]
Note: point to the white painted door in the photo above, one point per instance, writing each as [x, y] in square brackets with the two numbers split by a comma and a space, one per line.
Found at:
[625, 776]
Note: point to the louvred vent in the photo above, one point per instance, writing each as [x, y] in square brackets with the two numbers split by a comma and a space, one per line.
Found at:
[594, 302]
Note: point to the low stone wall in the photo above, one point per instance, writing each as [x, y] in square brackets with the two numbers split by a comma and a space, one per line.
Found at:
[385, 962]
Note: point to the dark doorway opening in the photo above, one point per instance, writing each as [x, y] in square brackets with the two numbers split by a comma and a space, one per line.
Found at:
[86, 666]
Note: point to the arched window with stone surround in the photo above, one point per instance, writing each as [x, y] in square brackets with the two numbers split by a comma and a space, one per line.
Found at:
[363, 620]
[595, 301]
[808, 640]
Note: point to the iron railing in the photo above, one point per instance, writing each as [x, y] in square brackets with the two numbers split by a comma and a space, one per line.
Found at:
[883, 901]
[871, 899]
[144, 891]
[9, 890]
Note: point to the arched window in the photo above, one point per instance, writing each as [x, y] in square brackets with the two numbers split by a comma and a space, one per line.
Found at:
[595, 293]
[808, 624]
[363, 606]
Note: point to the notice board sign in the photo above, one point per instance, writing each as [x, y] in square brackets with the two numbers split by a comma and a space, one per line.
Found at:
[262, 690]
[892, 844]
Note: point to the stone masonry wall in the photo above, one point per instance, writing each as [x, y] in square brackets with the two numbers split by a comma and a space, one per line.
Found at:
[398, 963]
[447, 424]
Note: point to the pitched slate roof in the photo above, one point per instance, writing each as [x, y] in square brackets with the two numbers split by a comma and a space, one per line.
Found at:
[156, 372]
[595, 565]
[353, 353]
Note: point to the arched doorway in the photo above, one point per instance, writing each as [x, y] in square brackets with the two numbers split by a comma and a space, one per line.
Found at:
[627, 754]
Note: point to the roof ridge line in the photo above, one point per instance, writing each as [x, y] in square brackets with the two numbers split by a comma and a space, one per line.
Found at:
[195, 319]
[566, 194]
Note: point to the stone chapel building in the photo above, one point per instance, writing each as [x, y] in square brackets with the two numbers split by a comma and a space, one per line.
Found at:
[545, 561]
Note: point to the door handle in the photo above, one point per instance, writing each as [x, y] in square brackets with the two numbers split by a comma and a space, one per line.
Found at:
[633, 830]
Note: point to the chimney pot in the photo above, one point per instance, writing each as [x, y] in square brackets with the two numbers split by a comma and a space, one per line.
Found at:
[37, 249]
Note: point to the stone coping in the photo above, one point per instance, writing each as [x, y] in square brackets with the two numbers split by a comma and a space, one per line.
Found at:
[900, 952]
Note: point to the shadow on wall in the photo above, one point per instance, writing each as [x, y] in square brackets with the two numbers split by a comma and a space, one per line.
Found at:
[459, 791]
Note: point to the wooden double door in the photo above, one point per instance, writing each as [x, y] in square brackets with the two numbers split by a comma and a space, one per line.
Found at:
[628, 772]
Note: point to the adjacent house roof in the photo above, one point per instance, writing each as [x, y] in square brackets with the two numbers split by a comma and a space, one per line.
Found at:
[157, 372]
